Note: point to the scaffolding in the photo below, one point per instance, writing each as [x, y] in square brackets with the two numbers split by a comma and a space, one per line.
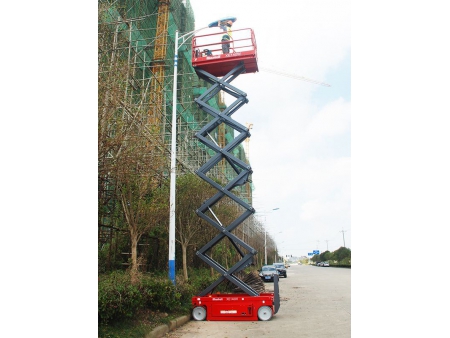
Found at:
[136, 39]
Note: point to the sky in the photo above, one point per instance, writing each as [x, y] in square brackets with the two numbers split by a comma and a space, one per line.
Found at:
[299, 147]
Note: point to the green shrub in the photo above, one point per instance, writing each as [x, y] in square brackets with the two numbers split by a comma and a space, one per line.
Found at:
[117, 297]
[160, 294]
[199, 279]
[345, 261]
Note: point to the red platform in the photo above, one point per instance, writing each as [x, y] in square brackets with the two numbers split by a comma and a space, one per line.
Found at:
[237, 307]
[242, 49]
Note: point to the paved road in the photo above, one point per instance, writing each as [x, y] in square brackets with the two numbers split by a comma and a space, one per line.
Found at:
[315, 303]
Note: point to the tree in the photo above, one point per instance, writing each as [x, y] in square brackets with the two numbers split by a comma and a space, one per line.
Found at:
[325, 256]
[191, 192]
[316, 258]
[341, 254]
[145, 205]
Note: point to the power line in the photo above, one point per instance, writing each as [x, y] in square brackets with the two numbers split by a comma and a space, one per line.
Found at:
[293, 76]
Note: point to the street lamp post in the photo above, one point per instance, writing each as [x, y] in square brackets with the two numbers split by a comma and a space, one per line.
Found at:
[265, 244]
[173, 153]
[265, 240]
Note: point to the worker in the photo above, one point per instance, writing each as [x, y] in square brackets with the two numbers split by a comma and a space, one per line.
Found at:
[226, 38]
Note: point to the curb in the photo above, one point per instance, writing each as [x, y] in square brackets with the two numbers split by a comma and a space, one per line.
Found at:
[161, 330]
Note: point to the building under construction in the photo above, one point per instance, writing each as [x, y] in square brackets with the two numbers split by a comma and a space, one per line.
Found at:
[136, 40]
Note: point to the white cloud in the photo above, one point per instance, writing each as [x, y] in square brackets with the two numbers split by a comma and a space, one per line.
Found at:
[332, 120]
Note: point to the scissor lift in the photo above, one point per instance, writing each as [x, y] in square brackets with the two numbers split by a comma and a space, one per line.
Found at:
[241, 59]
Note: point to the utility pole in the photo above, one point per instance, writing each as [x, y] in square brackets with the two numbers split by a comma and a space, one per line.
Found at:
[343, 235]
[327, 243]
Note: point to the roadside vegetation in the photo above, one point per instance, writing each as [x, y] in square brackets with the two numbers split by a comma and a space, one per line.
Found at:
[127, 309]
[340, 257]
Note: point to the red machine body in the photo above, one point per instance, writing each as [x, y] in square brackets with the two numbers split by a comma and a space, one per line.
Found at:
[207, 53]
[234, 307]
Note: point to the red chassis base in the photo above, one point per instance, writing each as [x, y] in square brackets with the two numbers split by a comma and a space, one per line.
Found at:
[233, 307]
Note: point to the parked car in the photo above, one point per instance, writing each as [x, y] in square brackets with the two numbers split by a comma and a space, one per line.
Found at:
[326, 264]
[319, 263]
[267, 272]
[281, 269]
